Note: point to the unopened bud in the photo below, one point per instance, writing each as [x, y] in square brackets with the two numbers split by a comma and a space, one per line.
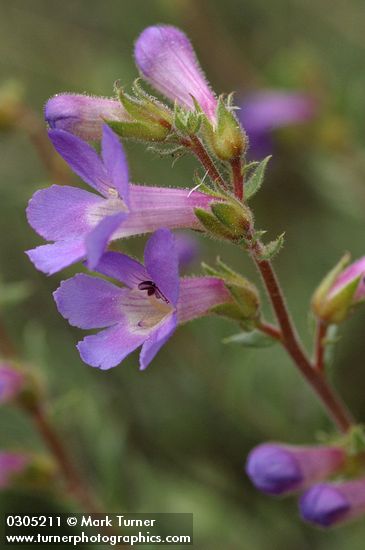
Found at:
[340, 291]
[227, 139]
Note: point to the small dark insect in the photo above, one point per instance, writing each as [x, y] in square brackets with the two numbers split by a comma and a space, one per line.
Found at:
[152, 289]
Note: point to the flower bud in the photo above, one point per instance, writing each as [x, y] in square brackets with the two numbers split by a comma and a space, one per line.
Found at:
[11, 382]
[235, 217]
[327, 504]
[226, 138]
[340, 290]
[83, 115]
[166, 59]
[278, 469]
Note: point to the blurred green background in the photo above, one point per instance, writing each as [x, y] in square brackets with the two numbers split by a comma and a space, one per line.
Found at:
[175, 438]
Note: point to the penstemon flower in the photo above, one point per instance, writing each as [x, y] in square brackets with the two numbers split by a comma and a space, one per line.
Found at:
[82, 223]
[146, 313]
[327, 504]
[166, 59]
[11, 465]
[278, 469]
[83, 115]
[11, 382]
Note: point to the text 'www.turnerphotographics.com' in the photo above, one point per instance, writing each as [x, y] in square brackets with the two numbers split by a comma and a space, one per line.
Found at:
[99, 529]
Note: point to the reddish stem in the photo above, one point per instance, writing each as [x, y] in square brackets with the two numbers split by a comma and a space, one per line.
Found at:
[331, 401]
[270, 330]
[200, 152]
[320, 345]
[237, 176]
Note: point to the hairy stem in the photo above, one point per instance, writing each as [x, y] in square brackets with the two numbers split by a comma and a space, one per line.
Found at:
[270, 330]
[329, 398]
[237, 177]
[200, 152]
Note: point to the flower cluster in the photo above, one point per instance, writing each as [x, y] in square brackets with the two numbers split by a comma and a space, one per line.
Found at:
[80, 224]
[149, 300]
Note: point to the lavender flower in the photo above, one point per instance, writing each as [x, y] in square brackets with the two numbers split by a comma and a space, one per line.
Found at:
[144, 314]
[11, 382]
[82, 223]
[166, 59]
[262, 112]
[327, 504]
[277, 469]
[83, 115]
[11, 464]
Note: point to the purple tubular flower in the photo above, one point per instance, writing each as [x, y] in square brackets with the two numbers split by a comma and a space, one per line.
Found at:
[83, 115]
[166, 59]
[327, 504]
[11, 464]
[81, 224]
[262, 112]
[144, 313]
[278, 469]
[11, 382]
[354, 271]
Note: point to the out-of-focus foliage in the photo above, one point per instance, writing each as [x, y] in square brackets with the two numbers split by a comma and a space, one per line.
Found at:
[175, 438]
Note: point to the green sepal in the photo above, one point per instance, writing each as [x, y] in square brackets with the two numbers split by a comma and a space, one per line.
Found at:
[356, 440]
[253, 339]
[336, 309]
[256, 179]
[320, 295]
[213, 225]
[145, 108]
[272, 248]
[237, 218]
[139, 131]
[243, 292]
[230, 311]
[187, 122]
[226, 139]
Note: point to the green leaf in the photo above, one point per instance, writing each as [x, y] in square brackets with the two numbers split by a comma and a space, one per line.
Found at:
[271, 249]
[253, 339]
[255, 181]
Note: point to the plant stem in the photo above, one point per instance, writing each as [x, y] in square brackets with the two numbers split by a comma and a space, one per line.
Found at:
[237, 176]
[330, 400]
[319, 345]
[75, 484]
[200, 152]
[270, 330]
